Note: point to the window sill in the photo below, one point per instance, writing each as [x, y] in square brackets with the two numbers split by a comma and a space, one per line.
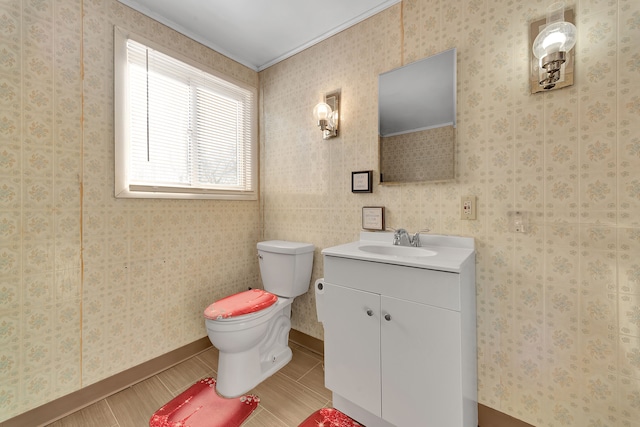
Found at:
[126, 193]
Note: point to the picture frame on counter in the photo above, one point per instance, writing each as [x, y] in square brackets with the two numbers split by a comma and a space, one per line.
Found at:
[373, 218]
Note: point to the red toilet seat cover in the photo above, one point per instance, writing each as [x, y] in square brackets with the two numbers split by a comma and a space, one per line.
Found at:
[241, 303]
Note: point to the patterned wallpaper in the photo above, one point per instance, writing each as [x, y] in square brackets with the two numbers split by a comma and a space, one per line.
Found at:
[91, 285]
[426, 155]
[558, 307]
[40, 169]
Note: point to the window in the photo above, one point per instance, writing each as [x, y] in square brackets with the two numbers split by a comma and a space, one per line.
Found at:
[181, 131]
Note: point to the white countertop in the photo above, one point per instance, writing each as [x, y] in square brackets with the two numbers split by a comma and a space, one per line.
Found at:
[451, 251]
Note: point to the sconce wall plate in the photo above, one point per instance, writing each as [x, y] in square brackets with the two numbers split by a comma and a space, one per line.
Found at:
[327, 114]
[537, 73]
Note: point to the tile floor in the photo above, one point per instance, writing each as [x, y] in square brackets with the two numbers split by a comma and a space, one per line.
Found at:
[286, 398]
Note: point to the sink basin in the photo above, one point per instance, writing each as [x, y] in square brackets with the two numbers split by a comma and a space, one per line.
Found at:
[402, 251]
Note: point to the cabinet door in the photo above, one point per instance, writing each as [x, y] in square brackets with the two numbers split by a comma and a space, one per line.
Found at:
[352, 345]
[421, 377]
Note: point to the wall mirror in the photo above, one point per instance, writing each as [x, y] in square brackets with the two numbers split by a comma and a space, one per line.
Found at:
[417, 120]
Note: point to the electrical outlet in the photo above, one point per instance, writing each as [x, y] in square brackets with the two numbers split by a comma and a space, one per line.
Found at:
[518, 221]
[468, 207]
[518, 225]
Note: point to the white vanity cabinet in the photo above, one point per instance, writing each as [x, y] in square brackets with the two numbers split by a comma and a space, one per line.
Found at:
[399, 342]
[399, 369]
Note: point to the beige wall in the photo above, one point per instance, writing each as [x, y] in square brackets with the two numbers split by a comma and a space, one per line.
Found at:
[91, 285]
[558, 307]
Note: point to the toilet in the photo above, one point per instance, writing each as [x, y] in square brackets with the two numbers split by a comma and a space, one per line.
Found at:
[250, 329]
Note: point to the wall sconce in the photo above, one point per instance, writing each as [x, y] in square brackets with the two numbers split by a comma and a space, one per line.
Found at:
[553, 41]
[326, 113]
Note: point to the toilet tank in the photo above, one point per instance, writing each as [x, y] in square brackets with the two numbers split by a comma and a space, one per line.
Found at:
[285, 267]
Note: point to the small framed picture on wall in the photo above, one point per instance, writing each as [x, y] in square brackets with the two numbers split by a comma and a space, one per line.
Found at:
[373, 218]
[361, 182]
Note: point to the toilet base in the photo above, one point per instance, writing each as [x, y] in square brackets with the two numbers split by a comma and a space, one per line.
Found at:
[237, 374]
[240, 372]
[270, 367]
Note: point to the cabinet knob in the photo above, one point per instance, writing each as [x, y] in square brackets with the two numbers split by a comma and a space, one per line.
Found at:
[387, 317]
[369, 312]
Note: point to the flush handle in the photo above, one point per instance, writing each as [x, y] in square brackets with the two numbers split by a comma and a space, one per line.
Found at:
[387, 317]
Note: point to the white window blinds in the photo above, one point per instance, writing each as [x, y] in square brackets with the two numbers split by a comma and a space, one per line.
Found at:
[189, 132]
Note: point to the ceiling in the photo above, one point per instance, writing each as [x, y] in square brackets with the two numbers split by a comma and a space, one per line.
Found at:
[259, 33]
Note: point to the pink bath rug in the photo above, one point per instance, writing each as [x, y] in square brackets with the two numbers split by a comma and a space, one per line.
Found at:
[329, 417]
[201, 406]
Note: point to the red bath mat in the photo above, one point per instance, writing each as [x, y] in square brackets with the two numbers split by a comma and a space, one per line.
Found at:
[201, 406]
[329, 417]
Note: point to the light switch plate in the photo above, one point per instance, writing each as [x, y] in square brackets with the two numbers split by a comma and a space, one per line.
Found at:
[468, 207]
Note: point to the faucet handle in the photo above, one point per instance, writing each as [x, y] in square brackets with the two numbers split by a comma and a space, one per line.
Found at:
[415, 240]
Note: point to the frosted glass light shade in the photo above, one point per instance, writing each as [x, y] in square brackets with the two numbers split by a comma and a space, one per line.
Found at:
[556, 37]
[322, 111]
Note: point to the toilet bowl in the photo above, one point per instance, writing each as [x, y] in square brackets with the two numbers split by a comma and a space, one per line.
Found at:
[250, 329]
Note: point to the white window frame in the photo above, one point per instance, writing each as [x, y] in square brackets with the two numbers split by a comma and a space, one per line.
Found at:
[124, 187]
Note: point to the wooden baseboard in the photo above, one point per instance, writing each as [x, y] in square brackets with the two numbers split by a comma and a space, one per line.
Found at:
[488, 417]
[59, 408]
[307, 341]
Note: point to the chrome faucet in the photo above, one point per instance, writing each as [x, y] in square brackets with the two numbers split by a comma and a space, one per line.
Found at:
[402, 238]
